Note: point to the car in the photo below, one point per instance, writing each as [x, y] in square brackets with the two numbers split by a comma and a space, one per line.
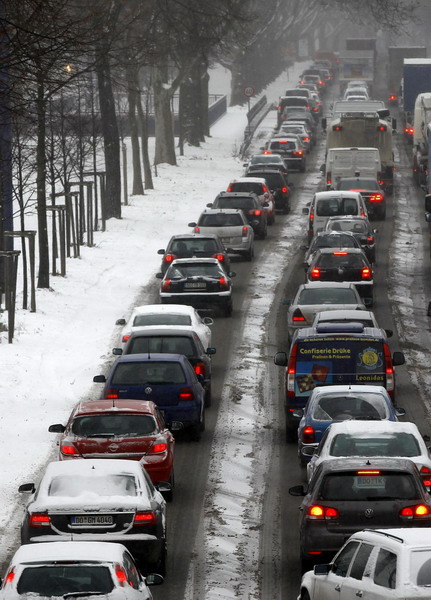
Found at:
[301, 116]
[119, 428]
[96, 500]
[168, 380]
[266, 161]
[309, 86]
[287, 103]
[357, 98]
[332, 203]
[356, 91]
[278, 184]
[382, 564]
[258, 185]
[250, 205]
[313, 297]
[188, 245]
[371, 192]
[159, 315]
[361, 229]
[291, 149]
[373, 439]
[316, 79]
[76, 570]
[332, 239]
[348, 495]
[366, 317]
[355, 83]
[171, 340]
[346, 264]
[231, 226]
[199, 282]
[300, 130]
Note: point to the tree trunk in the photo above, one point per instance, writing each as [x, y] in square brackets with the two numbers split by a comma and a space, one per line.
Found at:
[43, 274]
[204, 101]
[165, 142]
[111, 138]
[132, 94]
[144, 144]
[239, 80]
[190, 108]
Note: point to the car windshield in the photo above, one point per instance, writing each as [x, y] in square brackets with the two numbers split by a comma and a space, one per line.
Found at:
[191, 247]
[339, 407]
[340, 260]
[118, 424]
[357, 185]
[161, 319]
[170, 344]
[186, 270]
[57, 580]
[355, 226]
[327, 296]
[365, 444]
[420, 567]
[151, 372]
[223, 219]
[332, 207]
[360, 486]
[242, 203]
[101, 484]
[334, 241]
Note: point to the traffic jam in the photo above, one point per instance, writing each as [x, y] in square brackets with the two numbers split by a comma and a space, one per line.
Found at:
[357, 496]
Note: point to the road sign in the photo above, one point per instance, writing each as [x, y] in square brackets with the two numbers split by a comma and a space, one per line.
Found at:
[248, 91]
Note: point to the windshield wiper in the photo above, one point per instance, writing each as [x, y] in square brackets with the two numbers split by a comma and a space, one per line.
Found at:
[82, 594]
[101, 435]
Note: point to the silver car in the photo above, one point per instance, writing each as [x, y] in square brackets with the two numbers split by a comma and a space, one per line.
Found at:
[232, 228]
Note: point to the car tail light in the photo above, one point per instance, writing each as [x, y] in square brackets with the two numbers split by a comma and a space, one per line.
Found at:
[369, 472]
[298, 316]
[337, 128]
[186, 394]
[111, 394]
[279, 107]
[311, 216]
[366, 273]
[9, 577]
[306, 139]
[224, 285]
[125, 337]
[166, 285]
[315, 273]
[257, 212]
[39, 520]
[315, 109]
[376, 198]
[409, 130]
[291, 372]
[158, 448]
[370, 239]
[392, 97]
[264, 189]
[219, 257]
[381, 128]
[415, 512]
[426, 476]
[244, 231]
[69, 450]
[308, 435]
[284, 190]
[298, 153]
[229, 189]
[321, 83]
[120, 575]
[146, 517]
[329, 178]
[340, 253]
[317, 512]
[390, 378]
[200, 368]
[169, 258]
[197, 229]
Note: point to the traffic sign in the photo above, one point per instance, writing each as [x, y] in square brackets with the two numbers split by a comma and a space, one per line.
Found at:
[248, 91]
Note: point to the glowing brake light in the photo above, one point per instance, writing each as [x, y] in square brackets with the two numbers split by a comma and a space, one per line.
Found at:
[186, 394]
[9, 577]
[393, 97]
[366, 273]
[370, 240]
[224, 285]
[39, 520]
[409, 130]
[197, 229]
[376, 198]
[284, 190]
[166, 285]
[425, 473]
[369, 472]
[308, 435]
[199, 368]
[219, 257]
[298, 153]
[322, 512]
[265, 189]
[229, 189]
[145, 518]
[111, 394]
[297, 316]
[340, 253]
[125, 338]
[120, 575]
[337, 128]
[419, 510]
[169, 258]
[315, 273]
[244, 231]
[306, 139]
[69, 450]
[257, 212]
[158, 448]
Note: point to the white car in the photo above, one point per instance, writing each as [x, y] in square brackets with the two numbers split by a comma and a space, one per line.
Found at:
[172, 315]
[366, 317]
[75, 569]
[387, 564]
[354, 83]
[371, 439]
[316, 296]
[356, 91]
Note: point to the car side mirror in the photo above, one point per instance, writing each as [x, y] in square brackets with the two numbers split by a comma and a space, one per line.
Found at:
[161, 251]
[191, 225]
[428, 217]
[428, 203]
[57, 428]
[232, 274]
[117, 351]
[398, 359]
[322, 569]
[99, 379]
[159, 275]
[154, 579]
[305, 211]
[400, 412]
[265, 204]
[309, 450]
[389, 332]
[210, 351]
[324, 123]
[298, 413]
[208, 321]
[209, 205]
[201, 378]
[120, 322]
[368, 302]
[27, 488]
[322, 168]
[297, 490]
[280, 359]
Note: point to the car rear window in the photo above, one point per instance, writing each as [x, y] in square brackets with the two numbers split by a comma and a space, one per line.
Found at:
[334, 241]
[99, 426]
[246, 186]
[361, 486]
[340, 260]
[263, 159]
[274, 180]
[185, 270]
[222, 219]
[100, 484]
[193, 246]
[58, 580]
[171, 344]
[327, 296]
[151, 372]
[354, 184]
[358, 226]
[282, 145]
[395, 444]
[339, 407]
[161, 319]
[242, 203]
[332, 207]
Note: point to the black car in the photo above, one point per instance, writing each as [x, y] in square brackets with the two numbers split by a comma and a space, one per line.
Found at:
[290, 103]
[189, 245]
[258, 162]
[277, 183]
[171, 340]
[348, 495]
[199, 282]
[361, 229]
[346, 264]
[370, 190]
[330, 239]
[250, 205]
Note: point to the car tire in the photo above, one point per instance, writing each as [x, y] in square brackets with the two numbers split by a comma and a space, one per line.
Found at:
[160, 566]
[302, 168]
[304, 594]
[228, 309]
[169, 496]
[263, 233]
[249, 254]
[195, 432]
[286, 208]
[271, 219]
[291, 434]
[208, 397]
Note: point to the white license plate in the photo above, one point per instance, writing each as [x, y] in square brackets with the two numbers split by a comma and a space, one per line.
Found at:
[92, 520]
[225, 240]
[370, 482]
[195, 285]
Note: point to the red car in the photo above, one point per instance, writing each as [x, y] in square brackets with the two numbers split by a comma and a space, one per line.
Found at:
[126, 429]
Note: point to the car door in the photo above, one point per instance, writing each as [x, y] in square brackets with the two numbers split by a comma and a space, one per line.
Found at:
[357, 582]
[379, 578]
[328, 587]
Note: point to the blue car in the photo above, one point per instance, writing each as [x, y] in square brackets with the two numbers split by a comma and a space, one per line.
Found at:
[169, 380]
[332, 403]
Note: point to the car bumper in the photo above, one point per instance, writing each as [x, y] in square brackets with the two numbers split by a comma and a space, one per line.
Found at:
[198, 300]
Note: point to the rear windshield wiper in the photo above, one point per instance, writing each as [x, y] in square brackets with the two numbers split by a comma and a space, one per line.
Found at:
[82, 594]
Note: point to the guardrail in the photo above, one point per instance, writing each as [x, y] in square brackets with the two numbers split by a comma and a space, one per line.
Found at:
[254, 117]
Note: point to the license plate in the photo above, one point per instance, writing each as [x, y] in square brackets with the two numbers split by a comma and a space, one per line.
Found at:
[92, 520]
[195, 285]
[370, 482]
[225, 240]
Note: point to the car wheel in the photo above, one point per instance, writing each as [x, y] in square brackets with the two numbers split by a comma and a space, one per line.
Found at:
[208, 399]
[263, 233]
[382, 215]
[160, 566]
[286, 208]
[302, 167]
[304, 594]
[228, 309]
[249, 254]
[169, 496]
[271, 219]
[291, 433]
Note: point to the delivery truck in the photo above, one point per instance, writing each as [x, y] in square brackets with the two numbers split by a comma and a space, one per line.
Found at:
[356, 64]
[397, 54]
[416, 80]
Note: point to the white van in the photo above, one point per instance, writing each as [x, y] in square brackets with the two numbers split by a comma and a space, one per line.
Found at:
[352, 162]
[331, 204]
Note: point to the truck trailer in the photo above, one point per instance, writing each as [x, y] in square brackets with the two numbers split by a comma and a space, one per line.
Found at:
[416, 80]
[356, 64]
[397, 54]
